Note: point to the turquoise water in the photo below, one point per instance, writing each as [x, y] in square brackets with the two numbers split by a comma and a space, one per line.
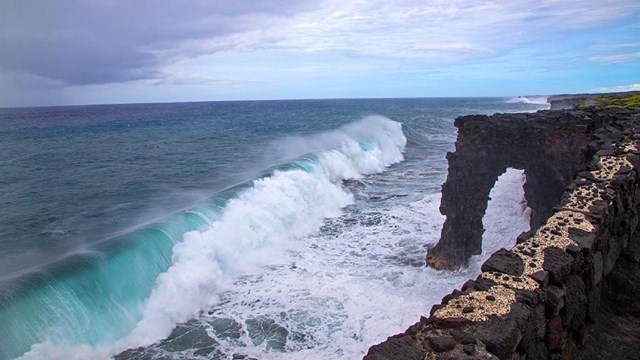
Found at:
[123, 225]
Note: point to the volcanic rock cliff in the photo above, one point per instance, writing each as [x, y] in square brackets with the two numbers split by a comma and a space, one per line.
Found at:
[551, 146]
[574, 277]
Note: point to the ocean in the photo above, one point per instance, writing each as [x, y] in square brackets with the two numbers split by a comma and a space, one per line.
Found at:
[229, 230]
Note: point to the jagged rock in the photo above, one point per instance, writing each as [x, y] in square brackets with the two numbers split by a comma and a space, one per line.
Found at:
[551, 146]
[554, 339]
[557, 263]
[395, 348]
[542, 277]
[535, 300]
[555, 299]
[501, 337]
[584, 238]
[575, 302]
[504, 261]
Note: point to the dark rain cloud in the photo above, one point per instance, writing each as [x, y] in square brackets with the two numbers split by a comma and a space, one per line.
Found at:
[96, 42]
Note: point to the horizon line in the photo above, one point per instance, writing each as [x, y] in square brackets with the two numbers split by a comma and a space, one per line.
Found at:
[266, 100]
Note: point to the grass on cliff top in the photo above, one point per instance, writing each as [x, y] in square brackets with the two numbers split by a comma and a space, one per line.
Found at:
[614, 102]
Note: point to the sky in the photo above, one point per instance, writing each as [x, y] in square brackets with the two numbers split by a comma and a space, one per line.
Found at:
[57, 52]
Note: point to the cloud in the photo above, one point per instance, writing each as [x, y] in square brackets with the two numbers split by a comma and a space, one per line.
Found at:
[619, 88]
[617, 46]
[117, 41]
[616, 58]
[86, 42]
[440, 30]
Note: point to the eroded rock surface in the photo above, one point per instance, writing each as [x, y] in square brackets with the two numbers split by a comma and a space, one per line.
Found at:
[539, 299]
[551, 147]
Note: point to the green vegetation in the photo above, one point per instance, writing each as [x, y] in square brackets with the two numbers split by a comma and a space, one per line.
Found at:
[616, 102]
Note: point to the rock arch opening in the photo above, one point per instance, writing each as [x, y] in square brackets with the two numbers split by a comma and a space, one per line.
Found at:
[507, 214]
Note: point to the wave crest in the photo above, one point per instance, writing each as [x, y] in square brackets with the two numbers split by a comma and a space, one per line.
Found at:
[256, 228]
[536, 100]
[264, 221]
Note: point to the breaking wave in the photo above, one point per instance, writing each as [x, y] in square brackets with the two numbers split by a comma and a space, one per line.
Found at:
[535, 100]
[164, 281]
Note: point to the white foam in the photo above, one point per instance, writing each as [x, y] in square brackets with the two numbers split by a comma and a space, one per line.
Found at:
[340, 291]
[536, 100]
[260, 227]
[348, 290]
[57, 351]
[371, 130]
[507, 214]
[353, 288]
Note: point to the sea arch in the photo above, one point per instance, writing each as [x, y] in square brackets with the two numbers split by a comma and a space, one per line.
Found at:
[551, 150]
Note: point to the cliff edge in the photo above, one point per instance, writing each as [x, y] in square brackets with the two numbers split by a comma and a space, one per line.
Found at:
[569, 280]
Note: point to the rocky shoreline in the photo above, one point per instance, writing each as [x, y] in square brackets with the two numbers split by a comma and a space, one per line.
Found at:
[564, 281]
[567, 102]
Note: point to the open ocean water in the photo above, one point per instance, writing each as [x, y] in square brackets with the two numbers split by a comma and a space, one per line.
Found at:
[229, 230]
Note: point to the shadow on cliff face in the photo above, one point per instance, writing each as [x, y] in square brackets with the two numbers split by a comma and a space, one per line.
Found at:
[616, 332]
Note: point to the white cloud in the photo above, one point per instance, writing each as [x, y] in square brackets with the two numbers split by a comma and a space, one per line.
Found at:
[413, 28]
[616, 58]
[434, 33]
[617, 46]
[226, 43]
[619, 88]
[127, 41]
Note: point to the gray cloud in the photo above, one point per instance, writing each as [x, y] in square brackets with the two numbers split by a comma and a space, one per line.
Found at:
[96, 42]
[73, 51]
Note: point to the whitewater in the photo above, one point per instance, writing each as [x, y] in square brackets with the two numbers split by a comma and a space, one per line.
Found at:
[304, 240]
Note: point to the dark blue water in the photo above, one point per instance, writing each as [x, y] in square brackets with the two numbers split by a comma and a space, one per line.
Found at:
[119, 222]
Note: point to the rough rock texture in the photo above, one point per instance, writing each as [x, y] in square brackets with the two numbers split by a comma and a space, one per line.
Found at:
[616, 332]
[581, 265]
[551, 147]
